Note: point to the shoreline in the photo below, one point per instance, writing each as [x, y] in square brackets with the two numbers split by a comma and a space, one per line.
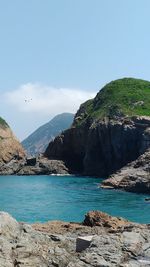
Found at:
[102, 240]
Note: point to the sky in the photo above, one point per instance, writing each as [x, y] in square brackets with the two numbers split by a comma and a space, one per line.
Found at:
[56, 54]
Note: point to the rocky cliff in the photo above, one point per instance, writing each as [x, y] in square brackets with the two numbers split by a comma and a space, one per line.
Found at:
[108, 132]
[10, 148]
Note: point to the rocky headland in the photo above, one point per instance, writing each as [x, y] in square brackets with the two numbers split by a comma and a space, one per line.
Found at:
[101, 240]
[108, 132]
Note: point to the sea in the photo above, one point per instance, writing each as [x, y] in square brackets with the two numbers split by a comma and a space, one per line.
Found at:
[68, 198]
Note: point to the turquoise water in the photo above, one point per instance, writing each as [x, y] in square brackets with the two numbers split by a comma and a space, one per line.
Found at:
[68, 198]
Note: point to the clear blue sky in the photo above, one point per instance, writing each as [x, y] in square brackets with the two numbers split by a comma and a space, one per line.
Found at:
[69, 44]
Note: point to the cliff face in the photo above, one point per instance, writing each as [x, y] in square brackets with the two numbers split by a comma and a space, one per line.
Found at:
[103, 147]
[107, 133]
[10, 148]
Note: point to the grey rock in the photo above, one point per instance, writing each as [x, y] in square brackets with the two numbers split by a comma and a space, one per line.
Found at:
[135, 177]
[23, 246]
[83, 242]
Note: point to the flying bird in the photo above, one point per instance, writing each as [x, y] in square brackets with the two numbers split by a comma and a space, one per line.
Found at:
[27, 100]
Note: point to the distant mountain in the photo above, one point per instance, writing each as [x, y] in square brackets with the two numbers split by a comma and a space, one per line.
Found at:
[38, 141]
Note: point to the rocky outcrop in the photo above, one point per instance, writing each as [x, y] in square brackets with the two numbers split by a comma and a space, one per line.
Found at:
[10, 148]
[108, 131]
[12, 154]
[54, 244]
[135, 177]
[41, 166]
[103, 146]
[97, 218]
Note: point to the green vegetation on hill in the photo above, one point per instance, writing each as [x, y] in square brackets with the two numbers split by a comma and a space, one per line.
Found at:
[127, 96]
[3, 122]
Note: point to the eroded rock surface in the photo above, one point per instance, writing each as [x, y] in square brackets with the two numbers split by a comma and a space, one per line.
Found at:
[54, 243]
[135, 177]
[10, 148]
[108, 131]
[42, 166]
[101, 147]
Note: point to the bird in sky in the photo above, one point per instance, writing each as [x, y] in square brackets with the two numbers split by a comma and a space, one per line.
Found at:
[27, 100]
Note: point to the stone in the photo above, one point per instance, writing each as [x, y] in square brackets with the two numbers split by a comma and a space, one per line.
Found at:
[83, 242]
[97, 218]
[9, 226]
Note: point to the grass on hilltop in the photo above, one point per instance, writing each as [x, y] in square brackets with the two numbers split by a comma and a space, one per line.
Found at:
[3, 122]
[127, 96]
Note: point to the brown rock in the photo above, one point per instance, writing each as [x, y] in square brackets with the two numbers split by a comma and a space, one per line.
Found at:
[98, 218]
[10, 147]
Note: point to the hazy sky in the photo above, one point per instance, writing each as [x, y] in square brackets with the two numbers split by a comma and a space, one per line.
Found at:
[57, 53]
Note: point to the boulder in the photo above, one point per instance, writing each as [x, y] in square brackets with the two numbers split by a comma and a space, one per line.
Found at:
[97, 218]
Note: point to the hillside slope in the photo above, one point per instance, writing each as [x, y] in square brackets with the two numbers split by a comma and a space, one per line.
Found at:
[108, 132]
[38, 141]
[10, 148]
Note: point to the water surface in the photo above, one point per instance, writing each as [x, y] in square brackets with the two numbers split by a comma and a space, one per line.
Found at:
[68, 198]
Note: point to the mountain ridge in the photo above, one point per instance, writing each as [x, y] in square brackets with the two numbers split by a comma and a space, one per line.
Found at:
[37, 142]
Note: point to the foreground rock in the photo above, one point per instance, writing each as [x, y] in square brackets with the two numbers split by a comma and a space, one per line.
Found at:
[135, 177]
[54, 243]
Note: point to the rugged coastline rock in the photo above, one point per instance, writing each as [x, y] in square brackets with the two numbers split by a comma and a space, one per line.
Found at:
[54, 243]
[41, 166]
[135, 177]
[108, 132]
[13, 159]
[12, 154]
[10, 148]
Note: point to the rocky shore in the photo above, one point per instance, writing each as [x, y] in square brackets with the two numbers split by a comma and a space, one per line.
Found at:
[135, 177]
[108, 242]
[33, 166]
